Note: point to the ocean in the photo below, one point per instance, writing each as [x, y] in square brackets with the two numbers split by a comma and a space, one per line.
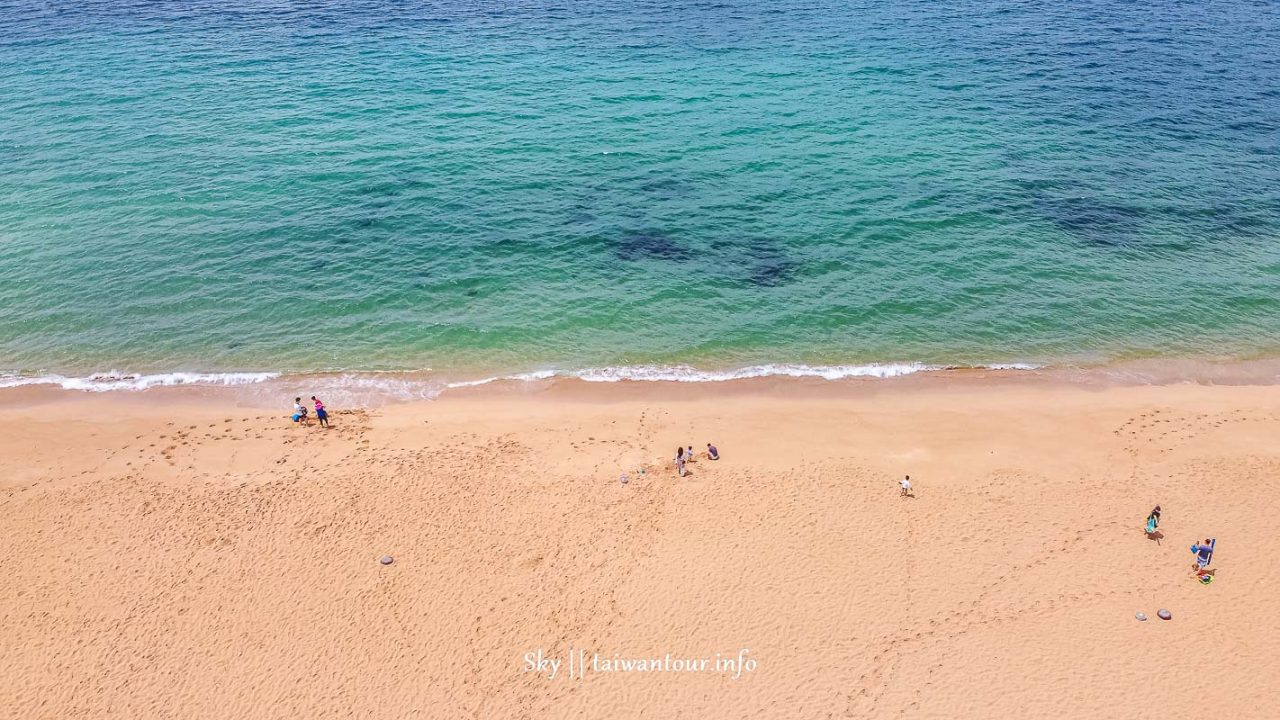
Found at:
[209, 192]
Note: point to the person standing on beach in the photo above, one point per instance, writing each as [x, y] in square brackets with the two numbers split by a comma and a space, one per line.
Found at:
[1153, 520]
[299, 412]
[905, 482]
[688, 454]
[680, 461]
[321, 415]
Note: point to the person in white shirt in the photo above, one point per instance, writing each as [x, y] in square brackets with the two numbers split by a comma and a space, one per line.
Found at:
[300, 412]
[906, 485]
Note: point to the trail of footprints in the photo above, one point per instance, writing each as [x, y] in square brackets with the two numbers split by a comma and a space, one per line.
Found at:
[966, 619]
[176, 447]
[1165, 430]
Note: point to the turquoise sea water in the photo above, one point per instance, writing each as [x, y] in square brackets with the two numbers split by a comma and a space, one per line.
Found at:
[479, 187]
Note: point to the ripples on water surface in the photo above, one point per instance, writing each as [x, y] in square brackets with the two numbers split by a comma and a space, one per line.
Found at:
[514, 186]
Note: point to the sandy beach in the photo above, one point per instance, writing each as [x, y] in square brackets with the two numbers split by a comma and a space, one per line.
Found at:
[189, 554]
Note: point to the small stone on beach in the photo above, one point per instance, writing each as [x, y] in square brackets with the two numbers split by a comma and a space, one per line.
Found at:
[1164, 614]
[386, 560]
[1141, 616]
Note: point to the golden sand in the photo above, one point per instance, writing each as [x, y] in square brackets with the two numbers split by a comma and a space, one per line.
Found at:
[179, 555]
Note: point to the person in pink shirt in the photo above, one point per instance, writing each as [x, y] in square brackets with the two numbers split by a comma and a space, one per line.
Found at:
[321, 415]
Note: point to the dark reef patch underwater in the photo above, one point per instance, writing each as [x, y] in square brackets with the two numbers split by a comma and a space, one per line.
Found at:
[650, 246]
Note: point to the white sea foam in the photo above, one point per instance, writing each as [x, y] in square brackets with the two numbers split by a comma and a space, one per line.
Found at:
[115, 380]
[358, 389]
[363, 387]
[1012, 366]
[685, 373]
[519, 377]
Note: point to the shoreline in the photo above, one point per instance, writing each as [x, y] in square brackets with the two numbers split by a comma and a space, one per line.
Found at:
[375, 389]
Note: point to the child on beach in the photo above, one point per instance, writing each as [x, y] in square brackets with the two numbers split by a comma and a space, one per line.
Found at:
[1153, 520]
[680, 461]
[712, 452]
[299, 412]
[906, 485]
[688, 454]
[321, 415]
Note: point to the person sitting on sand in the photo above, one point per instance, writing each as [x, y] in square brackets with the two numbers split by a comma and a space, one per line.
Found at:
[1204, 555]
[712, 452]
[299, 412]
[905, 482]
[321, 415]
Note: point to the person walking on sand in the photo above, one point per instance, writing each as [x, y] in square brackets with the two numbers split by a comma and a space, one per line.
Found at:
[1153, 520]
[688, 454]
[905, 482]
[321, 415]
[299, 412]
[680, 461]
[712, 452]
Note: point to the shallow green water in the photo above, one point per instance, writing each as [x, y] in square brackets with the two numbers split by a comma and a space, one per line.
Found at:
[514, 187]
